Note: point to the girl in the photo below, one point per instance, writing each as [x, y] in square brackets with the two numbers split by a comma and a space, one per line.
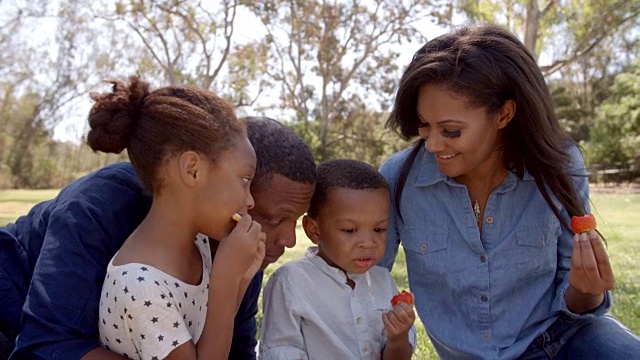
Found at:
[482, 204]
[163, 296]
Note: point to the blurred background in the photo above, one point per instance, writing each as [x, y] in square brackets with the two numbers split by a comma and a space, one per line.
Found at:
[326, 68]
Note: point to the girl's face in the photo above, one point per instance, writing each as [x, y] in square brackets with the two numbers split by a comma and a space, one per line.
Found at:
[225, 189]
[351, 228]
[464, 139]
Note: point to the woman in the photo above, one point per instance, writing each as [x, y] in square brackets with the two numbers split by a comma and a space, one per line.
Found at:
[482, 203]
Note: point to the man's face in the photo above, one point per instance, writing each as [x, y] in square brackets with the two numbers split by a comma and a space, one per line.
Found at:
[278, 204]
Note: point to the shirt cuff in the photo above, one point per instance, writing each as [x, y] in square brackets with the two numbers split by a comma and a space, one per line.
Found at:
[283, 353]
[598, 311]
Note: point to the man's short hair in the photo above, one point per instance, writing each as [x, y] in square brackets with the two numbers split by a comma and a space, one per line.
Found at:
[343, 174]
[279, 150]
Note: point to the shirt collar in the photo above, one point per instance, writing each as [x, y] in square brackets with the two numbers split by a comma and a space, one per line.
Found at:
[312, 256]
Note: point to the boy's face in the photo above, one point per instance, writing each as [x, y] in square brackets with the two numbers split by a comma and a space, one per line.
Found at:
[351, 228]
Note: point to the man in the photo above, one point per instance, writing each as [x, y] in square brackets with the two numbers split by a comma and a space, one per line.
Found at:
[53, 260]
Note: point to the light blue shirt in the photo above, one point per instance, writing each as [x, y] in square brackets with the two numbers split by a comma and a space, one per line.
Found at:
[483, 295]
[311, 313]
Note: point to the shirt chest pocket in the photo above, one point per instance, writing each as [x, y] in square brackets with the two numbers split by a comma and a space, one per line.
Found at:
[537, 250]
[426, 252]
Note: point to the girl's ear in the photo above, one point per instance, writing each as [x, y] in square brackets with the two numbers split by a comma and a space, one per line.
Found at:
[506, 113]
[189, 164]
[311, 229]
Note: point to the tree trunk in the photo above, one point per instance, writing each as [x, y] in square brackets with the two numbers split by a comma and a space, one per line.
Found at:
[532, 27]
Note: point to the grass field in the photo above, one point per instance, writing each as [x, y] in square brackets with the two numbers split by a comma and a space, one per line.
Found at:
[14, 203]
[618, 220]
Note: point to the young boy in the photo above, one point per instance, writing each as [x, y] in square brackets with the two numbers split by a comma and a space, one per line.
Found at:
[334, 303]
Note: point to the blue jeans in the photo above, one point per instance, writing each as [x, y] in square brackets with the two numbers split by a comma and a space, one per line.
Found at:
[601, 337]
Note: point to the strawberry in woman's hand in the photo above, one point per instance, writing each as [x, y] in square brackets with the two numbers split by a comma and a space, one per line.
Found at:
[580, 224]
[404, 296]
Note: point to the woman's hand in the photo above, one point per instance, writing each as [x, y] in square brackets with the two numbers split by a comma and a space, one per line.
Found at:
[590, 274]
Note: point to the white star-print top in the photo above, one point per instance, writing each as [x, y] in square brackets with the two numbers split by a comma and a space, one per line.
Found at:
[146, 313]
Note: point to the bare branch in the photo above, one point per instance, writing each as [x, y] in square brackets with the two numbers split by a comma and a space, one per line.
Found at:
[581, 51]
[547, 8]
[228, 33]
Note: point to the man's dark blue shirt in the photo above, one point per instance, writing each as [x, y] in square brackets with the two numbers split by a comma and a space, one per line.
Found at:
[53, 262]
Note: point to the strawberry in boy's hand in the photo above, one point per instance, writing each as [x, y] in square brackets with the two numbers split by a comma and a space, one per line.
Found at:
[399, 320]
[580, 224]
[404, 296]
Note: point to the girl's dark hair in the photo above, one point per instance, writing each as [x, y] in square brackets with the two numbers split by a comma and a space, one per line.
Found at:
[157, 124]
[488, 66]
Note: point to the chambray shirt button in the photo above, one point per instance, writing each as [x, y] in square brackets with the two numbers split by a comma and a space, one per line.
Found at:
[359, 320]
[486, 337]
[483, 259]
[424, 247]
[489, 219]
[365, 348]
[484, 298]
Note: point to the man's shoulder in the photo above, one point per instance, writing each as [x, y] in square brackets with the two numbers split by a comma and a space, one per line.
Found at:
[114, 178]
[114, 186]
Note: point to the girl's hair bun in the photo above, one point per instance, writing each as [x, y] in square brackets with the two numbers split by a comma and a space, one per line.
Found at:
[114, 115]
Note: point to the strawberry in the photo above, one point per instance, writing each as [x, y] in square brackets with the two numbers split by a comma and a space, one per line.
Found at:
[404, 296]
[580, 224]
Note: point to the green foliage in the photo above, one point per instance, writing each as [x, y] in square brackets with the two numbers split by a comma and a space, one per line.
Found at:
[615, 136]
[573, 118]
[361, 135]
[566, 30]
[328, 69]
[334, 66]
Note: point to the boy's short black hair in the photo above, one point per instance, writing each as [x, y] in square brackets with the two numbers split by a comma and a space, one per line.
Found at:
[279, 150]
[344, 174]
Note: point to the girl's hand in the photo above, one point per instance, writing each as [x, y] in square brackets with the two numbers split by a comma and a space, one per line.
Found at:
[259, 257]
[398, 322]
[590, 272]
[240, 249]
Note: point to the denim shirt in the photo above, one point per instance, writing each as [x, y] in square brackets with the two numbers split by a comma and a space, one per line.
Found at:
[53, 263]
[483, 295]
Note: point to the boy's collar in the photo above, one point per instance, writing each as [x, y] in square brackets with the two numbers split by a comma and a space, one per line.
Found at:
[333, 272]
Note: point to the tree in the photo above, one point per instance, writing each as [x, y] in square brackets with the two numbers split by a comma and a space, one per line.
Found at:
[322, 54]
[42, 80]
[189, 42]
[616, 134]
[569, 30]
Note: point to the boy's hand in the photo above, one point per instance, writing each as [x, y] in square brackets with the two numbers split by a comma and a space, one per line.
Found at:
[398, 322]
[241, 248]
